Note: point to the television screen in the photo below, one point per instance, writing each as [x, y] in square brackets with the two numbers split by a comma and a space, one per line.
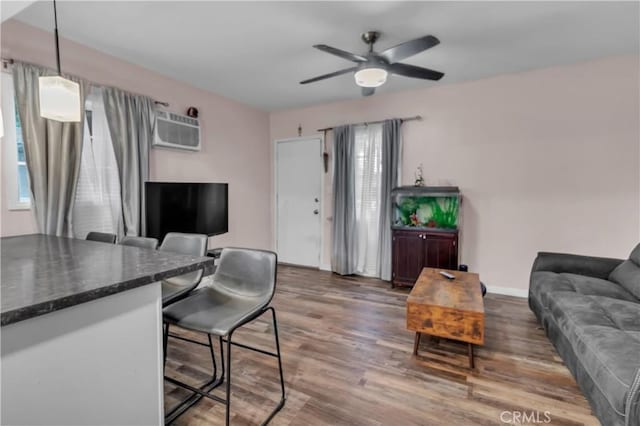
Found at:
[199, 208]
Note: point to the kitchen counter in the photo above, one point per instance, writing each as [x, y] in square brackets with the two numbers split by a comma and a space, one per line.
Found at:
[81, 337]
[42, 273]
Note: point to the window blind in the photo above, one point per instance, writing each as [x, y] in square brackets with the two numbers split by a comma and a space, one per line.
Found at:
[98, 203]
[368, 175]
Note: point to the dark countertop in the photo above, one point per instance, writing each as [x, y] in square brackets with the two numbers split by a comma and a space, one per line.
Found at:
[42, 273]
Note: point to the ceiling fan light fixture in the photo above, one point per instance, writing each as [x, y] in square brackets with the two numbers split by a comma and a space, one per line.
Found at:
[371, 77]
[372, 69]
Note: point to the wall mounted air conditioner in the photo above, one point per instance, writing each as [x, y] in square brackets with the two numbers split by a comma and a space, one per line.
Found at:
[176, 131]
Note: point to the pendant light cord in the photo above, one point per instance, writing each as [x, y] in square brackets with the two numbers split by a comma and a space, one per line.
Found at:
[55, 18]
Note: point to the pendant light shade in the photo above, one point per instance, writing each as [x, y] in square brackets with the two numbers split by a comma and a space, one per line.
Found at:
[59, 97]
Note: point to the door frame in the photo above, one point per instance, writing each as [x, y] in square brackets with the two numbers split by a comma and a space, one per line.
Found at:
[274, 185]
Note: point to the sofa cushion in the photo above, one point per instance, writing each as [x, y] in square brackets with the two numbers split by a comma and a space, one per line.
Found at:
[635, 255]
[544, 284]
[627, 274]
[605, 335]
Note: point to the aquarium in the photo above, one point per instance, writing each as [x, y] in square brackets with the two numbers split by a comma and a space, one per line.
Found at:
[426, 207]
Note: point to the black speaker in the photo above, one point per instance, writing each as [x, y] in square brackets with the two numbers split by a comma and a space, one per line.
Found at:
[465, 268]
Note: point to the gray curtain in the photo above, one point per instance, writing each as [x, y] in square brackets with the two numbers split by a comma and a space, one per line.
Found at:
[52, 150]
[131, 121]
[344, 247]
[391, 157]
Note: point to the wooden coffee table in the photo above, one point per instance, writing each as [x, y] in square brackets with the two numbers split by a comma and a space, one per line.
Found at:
[451, 309]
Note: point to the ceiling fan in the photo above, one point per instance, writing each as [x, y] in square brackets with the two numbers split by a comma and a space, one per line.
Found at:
[373, 68]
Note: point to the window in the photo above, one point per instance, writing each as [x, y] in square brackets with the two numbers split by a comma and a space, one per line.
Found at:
[23, 174]
[368, 178]
[98, 203]
[14, 161]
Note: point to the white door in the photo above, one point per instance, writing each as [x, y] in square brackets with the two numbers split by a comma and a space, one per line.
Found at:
[298, 191]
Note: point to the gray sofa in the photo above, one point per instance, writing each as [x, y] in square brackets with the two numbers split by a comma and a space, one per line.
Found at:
[590, 310]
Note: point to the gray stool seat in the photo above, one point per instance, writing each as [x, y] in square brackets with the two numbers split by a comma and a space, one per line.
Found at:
[242, 286]
[174, 289]
[213, 312]
[101, 237]
[142, 242]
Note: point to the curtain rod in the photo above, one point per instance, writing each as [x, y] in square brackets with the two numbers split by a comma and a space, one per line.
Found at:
[365, 123]
[9, 61]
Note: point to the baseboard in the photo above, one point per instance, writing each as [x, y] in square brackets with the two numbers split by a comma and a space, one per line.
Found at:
[322, 267]
[325, 267]
[509, 291]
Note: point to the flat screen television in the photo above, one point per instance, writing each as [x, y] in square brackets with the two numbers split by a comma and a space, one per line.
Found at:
[200, 208]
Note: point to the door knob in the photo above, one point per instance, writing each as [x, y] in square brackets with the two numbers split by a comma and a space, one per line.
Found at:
[316, 211]
[316, 200]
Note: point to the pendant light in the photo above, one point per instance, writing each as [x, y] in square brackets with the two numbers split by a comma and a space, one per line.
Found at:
[59, 97]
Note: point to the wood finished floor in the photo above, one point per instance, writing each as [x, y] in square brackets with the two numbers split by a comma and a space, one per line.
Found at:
[347, 361]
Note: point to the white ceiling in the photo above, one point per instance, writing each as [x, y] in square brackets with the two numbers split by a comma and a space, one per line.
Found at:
[257, 52]
[11, 8]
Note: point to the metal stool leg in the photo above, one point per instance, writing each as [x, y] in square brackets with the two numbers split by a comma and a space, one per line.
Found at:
[280, 371]
[223, 369]
[203, 390]
[213, 357]
[275, 331]
[165, 339]
[228, 400]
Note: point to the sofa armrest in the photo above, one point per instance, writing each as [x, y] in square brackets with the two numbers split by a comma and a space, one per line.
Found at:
[597, 267]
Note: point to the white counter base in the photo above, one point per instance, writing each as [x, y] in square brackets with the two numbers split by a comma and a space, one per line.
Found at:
[96, 363]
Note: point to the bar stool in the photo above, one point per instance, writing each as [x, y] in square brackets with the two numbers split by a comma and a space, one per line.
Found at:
[142, 242]
[243, 286]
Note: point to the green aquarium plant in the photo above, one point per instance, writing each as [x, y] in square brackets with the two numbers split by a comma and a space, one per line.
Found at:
[424, 210]
[407, 207]
[444, 212]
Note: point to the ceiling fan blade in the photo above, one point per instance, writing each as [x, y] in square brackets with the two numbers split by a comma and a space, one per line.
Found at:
[414, 71]
[341, 53]
[368, 91]
[333, 74]
[409, 48]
